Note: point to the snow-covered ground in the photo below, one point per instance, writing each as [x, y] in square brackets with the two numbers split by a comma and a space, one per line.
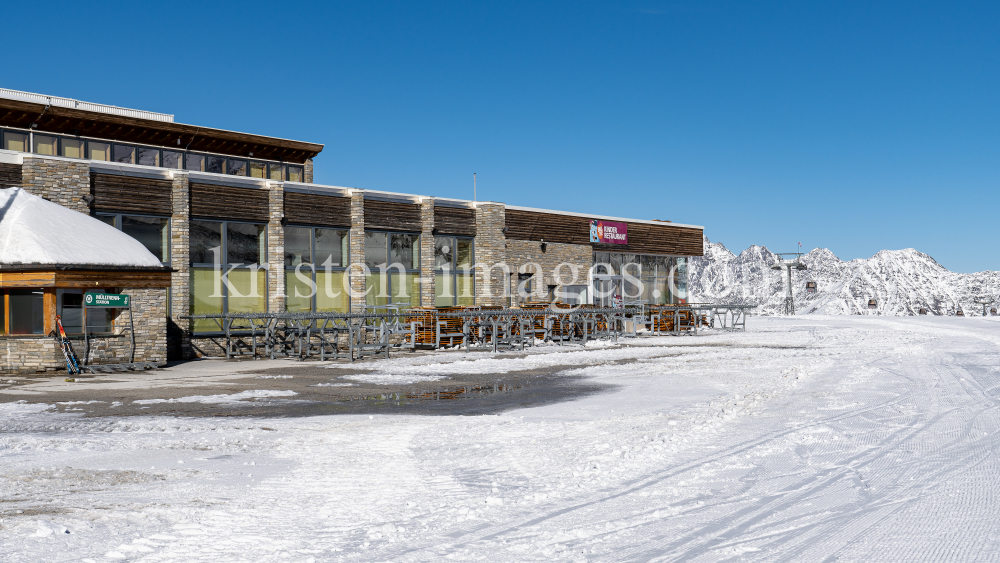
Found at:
[804, 439]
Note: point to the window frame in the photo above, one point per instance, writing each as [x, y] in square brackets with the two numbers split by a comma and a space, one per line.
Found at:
[226, 265]
[345, 261]
[453, 270]
[269, 165]
[118, 225]
[391, 272]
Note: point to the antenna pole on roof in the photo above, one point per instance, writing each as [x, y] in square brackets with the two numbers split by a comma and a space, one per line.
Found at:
[473, 187]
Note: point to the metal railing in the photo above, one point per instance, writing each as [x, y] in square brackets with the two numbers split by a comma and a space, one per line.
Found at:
[58, 101]
[379, 330]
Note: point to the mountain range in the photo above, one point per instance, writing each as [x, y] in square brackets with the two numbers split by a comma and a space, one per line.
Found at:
[901, 282]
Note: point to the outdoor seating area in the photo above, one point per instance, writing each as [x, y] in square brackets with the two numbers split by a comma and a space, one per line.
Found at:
[380, 330]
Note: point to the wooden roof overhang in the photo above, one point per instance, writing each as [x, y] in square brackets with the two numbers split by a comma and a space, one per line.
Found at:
[68, 276]
[70, 121]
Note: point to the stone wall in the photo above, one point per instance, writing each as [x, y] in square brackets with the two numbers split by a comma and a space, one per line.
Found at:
[59, 180]
[149, 310]
[491, 283]
[37, 353]
[526, 256]
[276, 249]
[427, 280]
[307, 172]
[178, 329]
[32, 354]
[357, 246]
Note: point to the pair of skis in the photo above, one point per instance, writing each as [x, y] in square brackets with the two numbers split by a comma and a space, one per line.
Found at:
[72, 363]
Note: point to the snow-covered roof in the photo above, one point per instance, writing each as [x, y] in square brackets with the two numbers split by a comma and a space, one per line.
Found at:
[34, 231]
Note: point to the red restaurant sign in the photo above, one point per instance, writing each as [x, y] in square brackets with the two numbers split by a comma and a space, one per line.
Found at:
[607, 232]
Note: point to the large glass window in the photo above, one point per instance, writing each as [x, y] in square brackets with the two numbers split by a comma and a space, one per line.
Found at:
[453, 279]
[277, 171]
[149, 156]
[98, 151]
[72, 148]
[215, 164]
[246, 243]
[44, 144]
[663, 278]
[205, 238]
[394, 261]
[315, 262]
[13, 141]
[258, 169]
[173, 159]
[239, 283]
[295, 174]
[195, 162]
[152, 232]
[27, 311]
[237, 167]
[124, 154]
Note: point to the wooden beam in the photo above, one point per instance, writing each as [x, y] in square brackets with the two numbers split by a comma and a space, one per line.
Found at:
[49, 306]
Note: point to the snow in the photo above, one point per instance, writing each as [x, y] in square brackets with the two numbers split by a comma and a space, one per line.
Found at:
[230, 399]
[814, 438]
[901, 281]
[36, 231]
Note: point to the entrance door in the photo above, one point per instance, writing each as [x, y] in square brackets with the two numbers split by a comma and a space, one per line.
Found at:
[606, 288]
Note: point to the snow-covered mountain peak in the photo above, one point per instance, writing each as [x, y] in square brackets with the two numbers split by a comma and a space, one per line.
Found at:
[900, 281]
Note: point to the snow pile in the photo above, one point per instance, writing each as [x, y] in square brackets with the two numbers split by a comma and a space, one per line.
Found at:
[901, 281]
[36, 231]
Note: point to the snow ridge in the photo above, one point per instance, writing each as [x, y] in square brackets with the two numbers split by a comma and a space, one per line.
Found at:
[901, 281]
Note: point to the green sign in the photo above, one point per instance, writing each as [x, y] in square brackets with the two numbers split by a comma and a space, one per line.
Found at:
[106, 300]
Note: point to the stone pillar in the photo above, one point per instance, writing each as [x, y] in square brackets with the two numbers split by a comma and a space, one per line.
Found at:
[357, 251]
[59, 180]
[491, 281]
[307, 172]
[179, 330]
[427, 252]
[276, 249]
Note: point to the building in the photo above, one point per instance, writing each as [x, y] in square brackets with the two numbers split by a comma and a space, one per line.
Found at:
[49, 261]
[242, 226]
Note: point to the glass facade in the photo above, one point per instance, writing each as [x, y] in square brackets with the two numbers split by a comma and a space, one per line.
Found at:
[315, 262]
[152, 232]
[663, 279]
[93, 149]
[226, 275]
[394, 263]
[453, 276]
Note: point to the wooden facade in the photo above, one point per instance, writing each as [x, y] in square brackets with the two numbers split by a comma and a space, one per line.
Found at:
[85, 278]
[228, 202]
[10, 175]
[643, 238]
[392, 216]
[130, 194]
[458, 221]
[317, 210]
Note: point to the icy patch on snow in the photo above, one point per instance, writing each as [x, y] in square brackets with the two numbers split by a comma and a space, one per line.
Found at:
[392, 378]
[220, 399]
[21, 409]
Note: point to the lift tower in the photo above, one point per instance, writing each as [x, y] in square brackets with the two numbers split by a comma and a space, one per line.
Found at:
[789, 261]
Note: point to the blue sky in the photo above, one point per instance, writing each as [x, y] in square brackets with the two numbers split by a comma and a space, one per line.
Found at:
[855, 126]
